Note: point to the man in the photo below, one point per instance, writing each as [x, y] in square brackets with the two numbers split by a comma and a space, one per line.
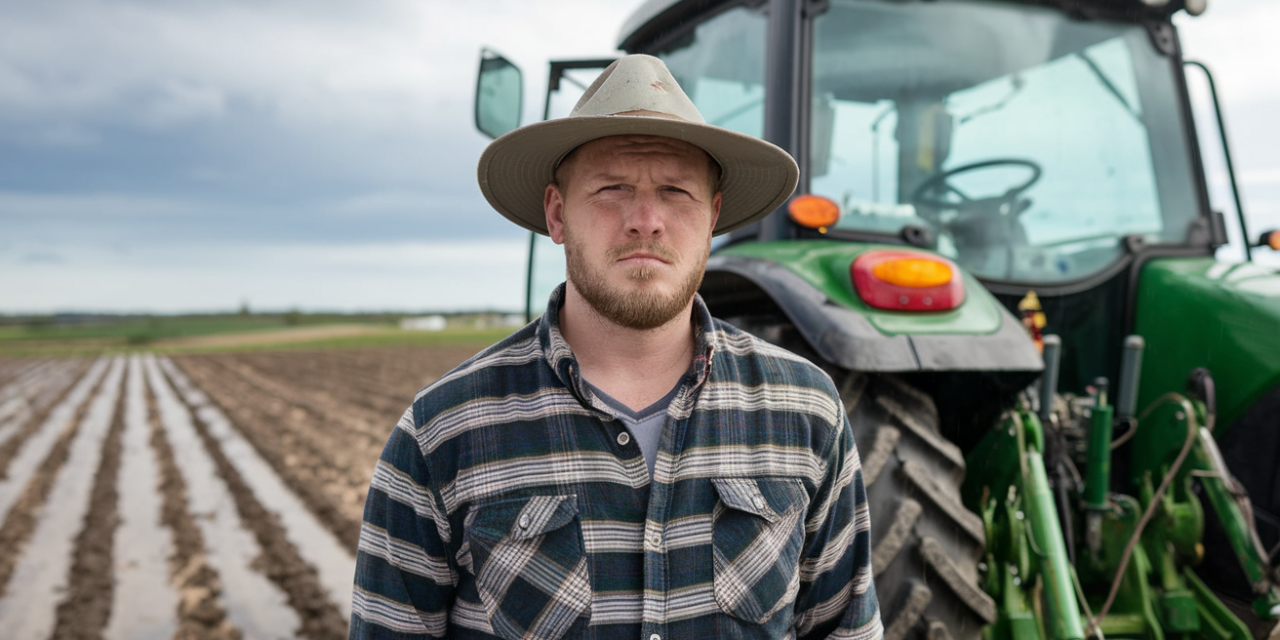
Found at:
[627, 466]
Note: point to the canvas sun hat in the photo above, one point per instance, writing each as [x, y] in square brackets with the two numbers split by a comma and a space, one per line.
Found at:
[636, 95]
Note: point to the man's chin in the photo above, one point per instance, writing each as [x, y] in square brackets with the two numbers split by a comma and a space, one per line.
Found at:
[647, 306]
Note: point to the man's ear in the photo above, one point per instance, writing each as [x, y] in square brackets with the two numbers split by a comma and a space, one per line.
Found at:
[553, 206]
[715, 210]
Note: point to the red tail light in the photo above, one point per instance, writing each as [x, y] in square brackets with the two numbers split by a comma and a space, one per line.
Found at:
[907, 281]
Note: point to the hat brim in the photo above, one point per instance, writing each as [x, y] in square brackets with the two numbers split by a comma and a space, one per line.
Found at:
[756, 177]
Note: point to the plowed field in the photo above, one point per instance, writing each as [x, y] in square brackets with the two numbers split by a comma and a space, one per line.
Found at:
[199, 496]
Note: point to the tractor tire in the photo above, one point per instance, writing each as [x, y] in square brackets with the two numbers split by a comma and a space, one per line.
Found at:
[926, 545]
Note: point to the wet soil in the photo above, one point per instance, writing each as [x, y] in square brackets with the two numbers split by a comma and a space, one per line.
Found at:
[45, 400]
[329, 474]
[280, 560]
[321, 418]
[318, 418]
[201, 615]
[16, 531]
[13, 367]
[84, 613]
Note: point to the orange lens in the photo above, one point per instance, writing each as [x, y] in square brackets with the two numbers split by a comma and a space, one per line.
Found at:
[814, 212]
[916, 273]
[1273, 240]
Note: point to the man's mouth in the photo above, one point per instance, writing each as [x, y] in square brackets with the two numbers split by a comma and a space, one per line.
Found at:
[643, 255]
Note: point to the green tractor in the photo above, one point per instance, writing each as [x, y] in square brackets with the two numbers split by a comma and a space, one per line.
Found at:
[1002, 249]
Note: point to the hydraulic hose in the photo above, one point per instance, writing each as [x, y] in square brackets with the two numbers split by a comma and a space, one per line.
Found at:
[1192, 433]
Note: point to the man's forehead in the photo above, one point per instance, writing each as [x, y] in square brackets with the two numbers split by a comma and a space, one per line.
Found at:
[641, 145]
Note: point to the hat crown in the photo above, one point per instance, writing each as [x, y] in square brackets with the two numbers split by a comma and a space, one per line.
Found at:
[637, 83]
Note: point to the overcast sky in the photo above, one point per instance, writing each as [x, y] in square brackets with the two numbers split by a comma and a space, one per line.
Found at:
[318, 154]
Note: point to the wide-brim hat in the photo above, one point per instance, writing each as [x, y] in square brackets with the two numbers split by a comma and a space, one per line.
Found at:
[636, 95]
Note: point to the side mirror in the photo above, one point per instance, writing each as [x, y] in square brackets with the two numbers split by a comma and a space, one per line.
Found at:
[499, 93]
[1270, 239]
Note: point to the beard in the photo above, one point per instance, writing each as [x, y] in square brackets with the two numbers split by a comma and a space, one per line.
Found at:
[644, 309]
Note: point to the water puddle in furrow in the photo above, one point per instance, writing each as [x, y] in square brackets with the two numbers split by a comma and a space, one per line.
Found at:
[144, 605]
[37, 447]
[253, 603]
[317, 546]
[34, 396]
[29, 607]
[18, 385]
[15, 399]
[22, 371]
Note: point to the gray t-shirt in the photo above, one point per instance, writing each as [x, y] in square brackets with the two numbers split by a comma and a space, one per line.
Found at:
[644, 425]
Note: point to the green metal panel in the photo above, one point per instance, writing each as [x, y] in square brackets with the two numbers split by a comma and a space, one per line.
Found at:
[825, 264]
[1196, 312]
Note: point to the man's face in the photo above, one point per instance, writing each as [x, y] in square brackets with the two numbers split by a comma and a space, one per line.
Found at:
[635, 214]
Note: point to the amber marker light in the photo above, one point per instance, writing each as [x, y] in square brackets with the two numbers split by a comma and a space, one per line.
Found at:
[814, 212]
[907, 281]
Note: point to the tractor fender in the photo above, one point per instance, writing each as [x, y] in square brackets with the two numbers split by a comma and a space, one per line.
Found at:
[743, 286]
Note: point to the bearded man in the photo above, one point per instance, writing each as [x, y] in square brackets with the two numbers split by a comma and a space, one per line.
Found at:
[626, 466]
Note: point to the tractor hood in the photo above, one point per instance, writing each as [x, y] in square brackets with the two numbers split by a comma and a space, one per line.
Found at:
[1196, 312]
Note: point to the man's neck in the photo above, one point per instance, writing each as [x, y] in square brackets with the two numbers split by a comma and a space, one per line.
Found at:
[637, 367]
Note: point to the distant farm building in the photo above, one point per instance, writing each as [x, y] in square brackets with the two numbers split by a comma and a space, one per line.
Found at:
[424, 323]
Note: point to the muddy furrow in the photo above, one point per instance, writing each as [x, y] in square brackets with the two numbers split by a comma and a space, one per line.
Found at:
[35, 392]
[315, 585]
[86, 607]
[14, 376]
[47, 519]
[11, 368]
[329, 471]
[201, 614]
[316, 544]
[253, 603]
[18, 432]
[22, 460]
[143, 605]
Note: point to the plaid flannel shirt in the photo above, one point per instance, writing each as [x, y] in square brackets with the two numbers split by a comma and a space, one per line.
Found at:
[506, 505]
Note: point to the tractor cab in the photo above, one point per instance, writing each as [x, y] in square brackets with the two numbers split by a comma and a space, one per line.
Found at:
[1019, 142]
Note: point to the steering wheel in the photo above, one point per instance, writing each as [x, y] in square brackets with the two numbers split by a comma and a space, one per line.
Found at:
[930, 192]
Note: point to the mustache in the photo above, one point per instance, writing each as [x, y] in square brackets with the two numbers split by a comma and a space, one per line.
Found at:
[653, 248]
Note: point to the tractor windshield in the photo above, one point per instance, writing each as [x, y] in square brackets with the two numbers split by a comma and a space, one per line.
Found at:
[1027, 143]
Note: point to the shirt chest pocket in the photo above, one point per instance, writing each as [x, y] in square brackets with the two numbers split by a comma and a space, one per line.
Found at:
[757, 533]
[529, 564]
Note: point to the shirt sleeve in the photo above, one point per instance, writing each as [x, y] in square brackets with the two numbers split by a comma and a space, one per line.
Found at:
[404, 578]
[837, 597]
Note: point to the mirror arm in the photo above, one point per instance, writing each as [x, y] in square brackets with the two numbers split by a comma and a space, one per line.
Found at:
[1226, 152]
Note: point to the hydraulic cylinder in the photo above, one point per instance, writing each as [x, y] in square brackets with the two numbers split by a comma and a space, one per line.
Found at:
[1098, 475]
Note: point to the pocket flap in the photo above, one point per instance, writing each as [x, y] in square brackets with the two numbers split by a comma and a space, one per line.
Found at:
[523, 518]
[543, 514]
[743, 494]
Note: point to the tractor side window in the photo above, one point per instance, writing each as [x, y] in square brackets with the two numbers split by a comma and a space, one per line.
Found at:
[720, 65]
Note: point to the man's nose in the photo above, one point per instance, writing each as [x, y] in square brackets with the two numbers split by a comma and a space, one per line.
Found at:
[646, 219]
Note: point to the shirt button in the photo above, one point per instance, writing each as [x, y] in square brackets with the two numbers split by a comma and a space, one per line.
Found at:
[624, 438]
[655, 539]
[759, 502]
[524, 522]
[655, 637]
